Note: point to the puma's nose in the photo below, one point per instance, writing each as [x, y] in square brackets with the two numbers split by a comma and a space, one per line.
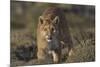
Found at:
[50, 38]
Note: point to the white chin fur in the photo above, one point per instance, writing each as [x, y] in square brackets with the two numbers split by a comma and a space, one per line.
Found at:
[49, 40]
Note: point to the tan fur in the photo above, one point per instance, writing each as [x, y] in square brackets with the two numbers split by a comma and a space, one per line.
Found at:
[52, 23]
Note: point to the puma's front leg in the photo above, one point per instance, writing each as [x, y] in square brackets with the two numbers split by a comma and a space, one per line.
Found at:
[56, 56]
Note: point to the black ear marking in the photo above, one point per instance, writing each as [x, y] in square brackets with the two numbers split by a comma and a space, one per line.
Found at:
[56, 20]
[41, 20]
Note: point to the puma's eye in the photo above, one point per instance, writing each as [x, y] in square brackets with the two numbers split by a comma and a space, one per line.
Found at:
[45, 29]
[52, 29]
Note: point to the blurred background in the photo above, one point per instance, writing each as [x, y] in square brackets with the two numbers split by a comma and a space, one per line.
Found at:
[24, 19]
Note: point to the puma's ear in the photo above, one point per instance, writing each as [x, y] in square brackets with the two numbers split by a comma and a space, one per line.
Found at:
[41, 20]
[56, 20]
